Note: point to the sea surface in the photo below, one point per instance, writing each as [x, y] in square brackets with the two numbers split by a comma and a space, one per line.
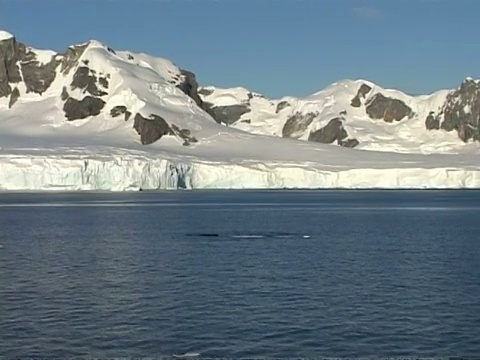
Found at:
[240, 274]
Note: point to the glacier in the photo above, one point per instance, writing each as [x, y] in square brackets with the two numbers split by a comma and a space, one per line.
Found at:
[133, 173]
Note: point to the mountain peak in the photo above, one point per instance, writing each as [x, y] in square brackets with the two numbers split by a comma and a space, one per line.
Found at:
[5, 35]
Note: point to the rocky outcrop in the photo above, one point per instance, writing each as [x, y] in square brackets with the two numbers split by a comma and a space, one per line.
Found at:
[189, 87]
[184, 134]
[9, 71]
[432, 122]
[19, 63]
[37, 76]
[71, 57]
[349, 143]
[80, 109]
[361, 94]
[85, 80]
[282, 105]
[205, 92]
[387, 109]
[333, 131]
[151, 129]
[119, 110]
[296, 125]
[229, 114]
[461, 111]
[64, 95]
[14, 96]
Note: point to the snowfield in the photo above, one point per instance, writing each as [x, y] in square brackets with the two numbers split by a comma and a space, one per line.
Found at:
[41, 150]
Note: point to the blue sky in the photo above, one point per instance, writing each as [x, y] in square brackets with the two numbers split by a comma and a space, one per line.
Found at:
[275, 47]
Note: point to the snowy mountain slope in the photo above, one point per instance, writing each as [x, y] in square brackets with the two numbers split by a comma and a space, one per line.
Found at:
[95, 118]
[308, 115]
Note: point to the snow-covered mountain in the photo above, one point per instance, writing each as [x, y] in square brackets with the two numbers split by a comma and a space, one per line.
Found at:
[359, 114]
[97, 118]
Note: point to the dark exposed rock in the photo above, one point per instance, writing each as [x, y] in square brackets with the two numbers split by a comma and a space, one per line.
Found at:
[86, 82]
[361, 94]
[467, 131]
[119, 110]
[349, 143]
[37, 76]
[343, 113]
[130, 57]
[88, 106]
[14, 96]
[297, 124]
[189, 86]
[5, 88]
[282, 105]
[356, 102]
[9, 71]
[205, 92]
[151, 129]
[388, 109]
[229, 114]
[461, 111]
[432, 122]
[111, 50]
[103, 81]
[334, 130]
[246, 121]
[65, 94]
[71, 57]
[184, 134]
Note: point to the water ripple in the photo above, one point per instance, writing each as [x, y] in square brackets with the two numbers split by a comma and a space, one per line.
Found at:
[233, 277]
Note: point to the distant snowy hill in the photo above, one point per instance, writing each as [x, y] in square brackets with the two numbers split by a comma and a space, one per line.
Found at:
[98, 118]
[359, 114]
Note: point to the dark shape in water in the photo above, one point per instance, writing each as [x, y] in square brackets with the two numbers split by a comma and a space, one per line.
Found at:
[205, 234]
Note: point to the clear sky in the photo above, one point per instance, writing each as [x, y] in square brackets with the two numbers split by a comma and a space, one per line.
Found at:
[275, 47]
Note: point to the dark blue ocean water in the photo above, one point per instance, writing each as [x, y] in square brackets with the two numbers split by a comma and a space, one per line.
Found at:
[240, 274]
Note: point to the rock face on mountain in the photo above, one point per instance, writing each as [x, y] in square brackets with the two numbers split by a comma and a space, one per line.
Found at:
[119, 110]
[297, 124]
[19, 63]
[85, 79]
[14, 95]
[9, 70]
[361, 94]
[37, 76]
[184, 134]
[229, 114]
[189, 86]
[151, 129]
[432, 122]
[387, 109]
[282, 105]
[81, 109]
[333, 131]
[461, 111]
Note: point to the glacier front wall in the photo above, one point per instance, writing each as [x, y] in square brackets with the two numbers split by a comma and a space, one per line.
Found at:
[124, 173]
